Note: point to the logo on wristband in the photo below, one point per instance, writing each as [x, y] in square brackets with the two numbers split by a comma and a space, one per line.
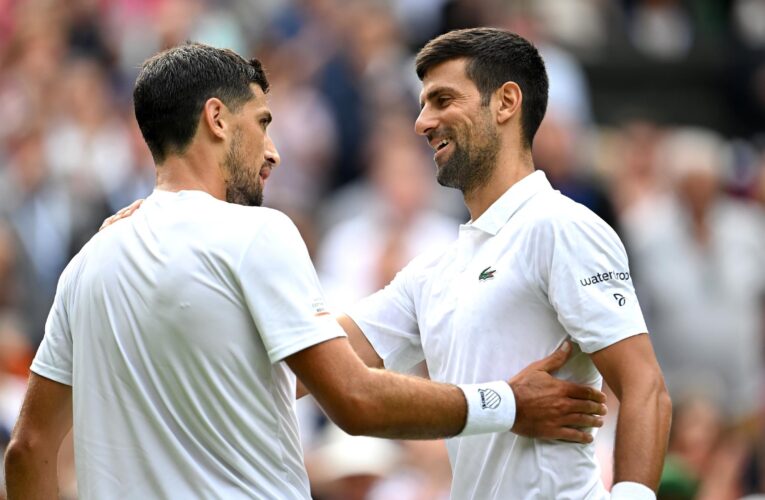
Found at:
[489, 399]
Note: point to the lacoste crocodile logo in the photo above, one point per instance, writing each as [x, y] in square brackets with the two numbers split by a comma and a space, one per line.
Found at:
[487, 274]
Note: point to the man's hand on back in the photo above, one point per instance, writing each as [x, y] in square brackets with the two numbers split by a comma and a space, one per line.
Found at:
[549, 408]
[123, 213]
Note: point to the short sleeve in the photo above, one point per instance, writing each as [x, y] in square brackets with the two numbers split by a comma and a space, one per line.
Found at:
[54, 356]
[590, 284]
[389, 321]
[282, 291]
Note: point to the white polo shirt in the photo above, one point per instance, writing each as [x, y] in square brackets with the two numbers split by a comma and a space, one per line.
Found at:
[535, 268]
[171, 326]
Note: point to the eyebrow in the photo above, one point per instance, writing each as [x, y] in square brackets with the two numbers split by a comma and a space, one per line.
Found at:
[433, 93]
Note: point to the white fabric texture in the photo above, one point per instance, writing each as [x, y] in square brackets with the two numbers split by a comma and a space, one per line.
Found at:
[171, 327]
[533, 270]
[628, 490]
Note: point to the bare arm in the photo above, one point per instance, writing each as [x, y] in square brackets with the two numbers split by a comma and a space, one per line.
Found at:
[390, 405]
[31, 458]
[360, 345]
[630, 369]
[375, 402]
[359, 342]
[546, 407]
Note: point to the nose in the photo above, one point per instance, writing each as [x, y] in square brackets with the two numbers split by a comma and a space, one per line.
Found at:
[426, 121]
[272, 155]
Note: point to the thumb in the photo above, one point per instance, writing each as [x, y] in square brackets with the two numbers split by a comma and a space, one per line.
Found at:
[557, 359]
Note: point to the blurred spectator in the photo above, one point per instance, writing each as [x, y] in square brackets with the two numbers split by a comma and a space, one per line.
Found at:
[28, 70]
[343, 467]
[15, 358]
[660, 28]
[636, 182]
[393, 224]
[569, 92]
[49, 222]
[304, 131]
[556, 148]
[10, 283]
[704, 460]
[88, 144]
[699, 257]
[347, 467]
[423, 474]
[580, 25]
[86, 34]
[139, 180]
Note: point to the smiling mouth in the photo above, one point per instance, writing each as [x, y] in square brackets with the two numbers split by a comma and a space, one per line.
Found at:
[441, 145]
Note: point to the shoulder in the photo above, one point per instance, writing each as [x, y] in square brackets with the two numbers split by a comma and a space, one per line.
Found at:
[272, 237]
[553, 219]
[240, 221]
[70, 276]
[553, 209]
[252, 215]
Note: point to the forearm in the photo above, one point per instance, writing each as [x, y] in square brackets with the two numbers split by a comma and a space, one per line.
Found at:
[389, 405]
[642, 433]
[360, 345]
[30, 474]
[374, 402]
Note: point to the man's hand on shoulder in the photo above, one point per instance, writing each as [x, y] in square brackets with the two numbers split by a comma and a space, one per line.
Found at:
[549, 408]
[123, 213]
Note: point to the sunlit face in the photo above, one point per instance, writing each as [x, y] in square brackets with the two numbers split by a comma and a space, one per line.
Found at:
[461, 131]
[251, 155]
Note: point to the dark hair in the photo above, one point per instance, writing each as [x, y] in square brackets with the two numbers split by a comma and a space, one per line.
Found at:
[174, 85]
[494, 56]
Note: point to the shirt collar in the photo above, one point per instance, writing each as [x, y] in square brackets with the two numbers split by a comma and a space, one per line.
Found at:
[497, 215]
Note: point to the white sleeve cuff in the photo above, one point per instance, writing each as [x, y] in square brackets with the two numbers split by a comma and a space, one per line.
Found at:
[490, 408]
[628, 490]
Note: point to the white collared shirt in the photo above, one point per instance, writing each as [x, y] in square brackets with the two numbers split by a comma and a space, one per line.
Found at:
[171, 327]
[534, 269]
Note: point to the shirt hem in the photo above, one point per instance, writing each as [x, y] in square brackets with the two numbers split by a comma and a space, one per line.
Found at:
[595, 347]
[305, 342]
[51, 373]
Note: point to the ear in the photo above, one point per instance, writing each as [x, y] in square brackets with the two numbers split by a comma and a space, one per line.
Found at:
[215, 117]
[510, 98]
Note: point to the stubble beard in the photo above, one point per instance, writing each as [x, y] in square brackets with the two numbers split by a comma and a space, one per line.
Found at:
[242, 182]
[470, 166]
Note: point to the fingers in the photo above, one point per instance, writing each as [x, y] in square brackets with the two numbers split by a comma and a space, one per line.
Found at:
[557, 359]
[121, 214]
[133, 206]
[585, 392]
[107, 222]
[582, 420]
[585, 406]
[571, 435]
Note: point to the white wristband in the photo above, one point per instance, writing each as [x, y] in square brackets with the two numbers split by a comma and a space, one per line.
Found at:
[490, 408]
[628, 490]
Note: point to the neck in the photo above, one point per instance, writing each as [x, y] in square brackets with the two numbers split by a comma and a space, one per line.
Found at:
[509, 170]
[191, 171]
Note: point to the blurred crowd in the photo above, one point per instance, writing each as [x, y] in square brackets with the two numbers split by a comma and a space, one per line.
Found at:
[656, 122]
